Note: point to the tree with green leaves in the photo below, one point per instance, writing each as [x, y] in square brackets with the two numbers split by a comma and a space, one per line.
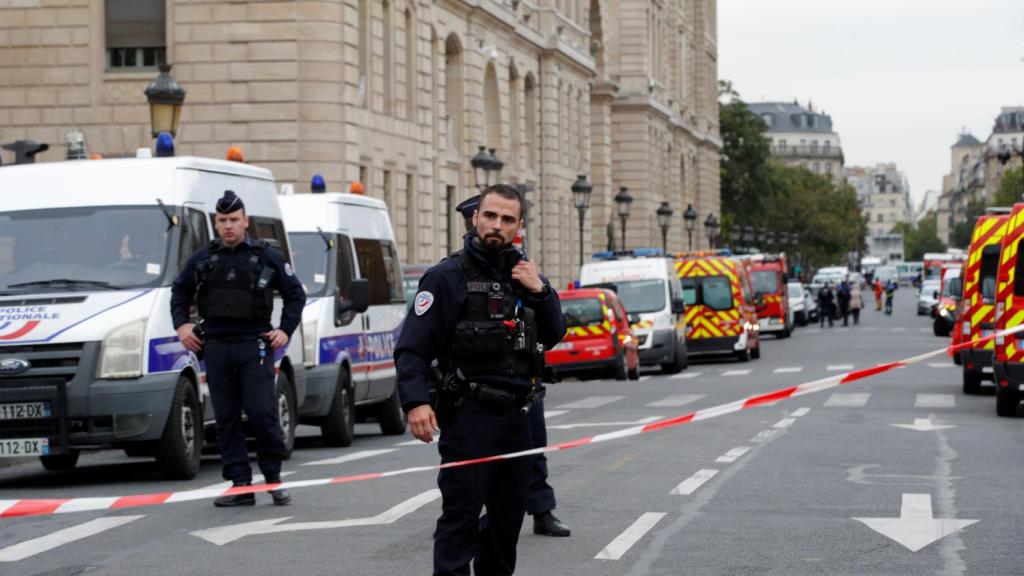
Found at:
[1011, 189]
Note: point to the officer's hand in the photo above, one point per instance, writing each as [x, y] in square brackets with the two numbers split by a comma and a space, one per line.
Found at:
[423, 423]
[188, 338]
[277, 338]
[525, 272]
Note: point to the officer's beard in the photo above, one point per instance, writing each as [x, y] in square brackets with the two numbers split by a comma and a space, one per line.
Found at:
[494, 242]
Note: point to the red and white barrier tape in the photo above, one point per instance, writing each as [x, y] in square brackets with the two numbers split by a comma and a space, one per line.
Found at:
[46, 506]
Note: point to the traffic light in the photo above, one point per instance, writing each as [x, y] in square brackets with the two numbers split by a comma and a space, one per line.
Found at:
[25, 150]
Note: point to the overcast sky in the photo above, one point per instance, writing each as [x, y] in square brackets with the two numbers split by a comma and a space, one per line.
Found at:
[900, 78]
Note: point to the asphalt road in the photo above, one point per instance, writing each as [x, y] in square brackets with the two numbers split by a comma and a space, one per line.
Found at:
[821, 484]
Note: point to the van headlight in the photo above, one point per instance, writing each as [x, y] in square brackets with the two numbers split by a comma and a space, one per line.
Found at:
[309, 343]
[122, 351]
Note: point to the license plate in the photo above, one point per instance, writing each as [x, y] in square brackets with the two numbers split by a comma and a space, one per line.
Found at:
[24, 410]
[986, 369]
[24, 447]
[563, 346]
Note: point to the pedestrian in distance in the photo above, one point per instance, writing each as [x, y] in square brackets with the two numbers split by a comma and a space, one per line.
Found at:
[487, 316]
[890, 291]
[826, 303]
[843, 299]
[541, 501]
[232, 281]
[877, 286]
[856, 303]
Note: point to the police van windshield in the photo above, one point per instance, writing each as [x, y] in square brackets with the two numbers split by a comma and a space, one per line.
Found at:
[309, 253]
[582, 311]
[87, 248]
[641, 296]
[766, 282]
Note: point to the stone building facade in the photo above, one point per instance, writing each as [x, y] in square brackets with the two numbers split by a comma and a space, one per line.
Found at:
[398, 94]
[884, 194]
[802, 137]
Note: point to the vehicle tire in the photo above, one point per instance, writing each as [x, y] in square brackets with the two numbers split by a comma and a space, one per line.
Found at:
[634, 373]
[678, 363]
[785, 333]
[619, 368]
[391, 417]
[972, 383]
[957, 360]
[338, 427]
[1006, 402]
[60, 462]
[743, 355]
[939, 328]
[755, 353]
[179, 449]
[286, 413]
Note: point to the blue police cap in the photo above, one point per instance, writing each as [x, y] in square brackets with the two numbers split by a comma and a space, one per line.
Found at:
[468, 206]
[229, 203]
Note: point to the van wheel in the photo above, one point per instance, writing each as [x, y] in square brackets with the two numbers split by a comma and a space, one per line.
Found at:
[1006, 402]
[634, 372]
[755, 353]
[286, 412]
[338, 427]
[743, 355]
[391, 416]
[619, 368]
[678, 363]
[972, 383]
[180, 447]
[59, 462]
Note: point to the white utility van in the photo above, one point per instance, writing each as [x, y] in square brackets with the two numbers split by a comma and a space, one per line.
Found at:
[89, 357]
[653, 297]
[346, 257]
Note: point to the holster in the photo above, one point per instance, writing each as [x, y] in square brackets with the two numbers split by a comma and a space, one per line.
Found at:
[450, 390]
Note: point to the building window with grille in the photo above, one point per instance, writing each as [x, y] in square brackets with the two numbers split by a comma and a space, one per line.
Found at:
[135, 37]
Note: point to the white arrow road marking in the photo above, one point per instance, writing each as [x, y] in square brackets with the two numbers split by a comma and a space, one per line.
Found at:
[736, 372]
[646, 420]
[732, 455]
[839, 367]
[788, 370]
[553, 413]
[916, 527]
[350, 457]
[32, 547]
[848, 400]
[591, 402]
[690, 485]
[924, 425]
[676, 401]
[631, 536]
[226, 534]
[685, 375]
[935, 401]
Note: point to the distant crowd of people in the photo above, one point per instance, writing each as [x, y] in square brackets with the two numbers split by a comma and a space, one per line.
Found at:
[846, 300]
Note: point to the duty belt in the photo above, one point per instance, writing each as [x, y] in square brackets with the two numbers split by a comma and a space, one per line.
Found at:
[495, 395]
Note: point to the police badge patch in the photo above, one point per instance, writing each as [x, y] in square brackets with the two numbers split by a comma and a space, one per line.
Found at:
[424, 300]
[288, 269]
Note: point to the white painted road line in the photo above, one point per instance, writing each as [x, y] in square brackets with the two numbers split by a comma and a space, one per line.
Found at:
[643, 378]
[646, 420]
[732, 455]
[784, 423]
[350, 457]
[631, 536]
[591, 402]
[690, 485]
[684, 375]
[935, 401]
[676, 401]
[839, 367]
[941, 365]
[32, 547]
[415, 442]
[800, 412]
[847, 400]
[736, 372]
[764, 435]
[788, 370]
[553, 413]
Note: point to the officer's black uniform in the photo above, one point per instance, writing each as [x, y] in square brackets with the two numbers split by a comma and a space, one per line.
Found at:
[451, 322]
[234, 292]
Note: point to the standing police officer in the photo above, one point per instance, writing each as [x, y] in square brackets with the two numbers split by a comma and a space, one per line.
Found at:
[232, 280]
[487, 316]
[540, 502]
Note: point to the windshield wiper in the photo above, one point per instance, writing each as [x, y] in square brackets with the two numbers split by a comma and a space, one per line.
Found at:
[327, 239]
[65, 282]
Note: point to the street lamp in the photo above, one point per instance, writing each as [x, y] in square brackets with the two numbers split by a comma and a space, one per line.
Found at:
[690, 219]
[165, 97]
[623, 202]
[711, 227]
[581, 198]
[664, 220]
[481, 164]
[496, 166]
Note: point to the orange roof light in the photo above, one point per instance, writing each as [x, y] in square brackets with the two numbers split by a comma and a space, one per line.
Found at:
[356, 187]
[235, 154]
[95, 156]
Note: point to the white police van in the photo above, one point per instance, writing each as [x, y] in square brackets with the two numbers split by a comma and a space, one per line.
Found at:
[89, 357]
[347, 259]
[647, 284]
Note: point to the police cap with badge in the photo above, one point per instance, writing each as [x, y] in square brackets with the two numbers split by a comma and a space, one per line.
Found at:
[467, 207]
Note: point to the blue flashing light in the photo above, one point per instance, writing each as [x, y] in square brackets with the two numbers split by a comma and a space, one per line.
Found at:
[576, 284]
[603, 255]
[647, 252]
[164, 145]
[317, 184]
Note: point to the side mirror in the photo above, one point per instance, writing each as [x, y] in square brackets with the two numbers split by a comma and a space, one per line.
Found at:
[935, 294]
[358, 299]
[678, 306]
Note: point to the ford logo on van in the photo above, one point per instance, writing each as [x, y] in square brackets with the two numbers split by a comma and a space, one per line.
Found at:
[13, 366]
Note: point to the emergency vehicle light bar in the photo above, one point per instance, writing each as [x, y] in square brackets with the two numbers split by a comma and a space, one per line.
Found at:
[998, 210]
[703, 253]
[635, 253]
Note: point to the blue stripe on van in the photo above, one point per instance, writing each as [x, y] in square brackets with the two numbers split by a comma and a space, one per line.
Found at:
[372, 348]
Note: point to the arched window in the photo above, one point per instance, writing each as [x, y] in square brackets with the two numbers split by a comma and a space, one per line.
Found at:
[514, 124]
[530, 119]
[411, 37]
[453, 92]
[492, 110]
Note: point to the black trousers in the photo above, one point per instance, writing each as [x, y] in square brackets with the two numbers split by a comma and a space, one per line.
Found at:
[477, 431]
[238, 381]
[541, 497]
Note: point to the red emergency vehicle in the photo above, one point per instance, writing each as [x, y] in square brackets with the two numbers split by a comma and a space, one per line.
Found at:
[769, 275]
[597, 336]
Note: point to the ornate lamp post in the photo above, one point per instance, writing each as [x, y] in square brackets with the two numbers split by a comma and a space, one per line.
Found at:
[496, 166]
[165, 98]
[664, 213]
[482, 168]
[623, 202]
[711, 227]
[690, 219]
[581, 198]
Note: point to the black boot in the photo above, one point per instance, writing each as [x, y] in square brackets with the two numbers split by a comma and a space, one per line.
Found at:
[281, 496]
[546, 524]
[233, 500]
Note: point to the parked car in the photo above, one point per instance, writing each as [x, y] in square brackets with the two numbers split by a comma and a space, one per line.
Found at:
[797, 302]
[927, 296]
[811, 302]
[598, 336]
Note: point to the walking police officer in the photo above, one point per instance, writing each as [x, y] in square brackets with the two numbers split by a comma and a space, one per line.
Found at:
[232, 280]
[540, 502]
[486, 315]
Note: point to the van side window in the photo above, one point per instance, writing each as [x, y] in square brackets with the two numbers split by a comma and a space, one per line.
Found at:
[346, 271]
[1018, 276]
[378, 263]
[988, 272]
[194, 235]
[270, 231]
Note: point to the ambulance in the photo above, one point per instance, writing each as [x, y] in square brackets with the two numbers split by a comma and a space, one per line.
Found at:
[933, 262]
[89, 357]
[977, 307]
[944, 315]
[720, 313]
[597, 335]
[646, 283]
[347, 258]
[769, 275]
[1008, 361]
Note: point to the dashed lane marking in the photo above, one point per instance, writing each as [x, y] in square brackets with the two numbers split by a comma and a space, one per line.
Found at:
[643, 378]
[736, 372]
[847, 400]
[941, 365]
[685, 375]
[350, 457]
[553, 413]
[800, 412]
[631, 536]
[788, 370]
[784, 423]
[839, 367]
[765, 435]
[646, 420]
[415, 442]
[935, 401]
[675, 401]
[30, 548]
[591, 402]
[690, 485]
[732, 455]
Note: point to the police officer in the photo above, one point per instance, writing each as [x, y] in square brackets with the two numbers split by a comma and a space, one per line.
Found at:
[541, 500]
[232, 280]
[487, 316]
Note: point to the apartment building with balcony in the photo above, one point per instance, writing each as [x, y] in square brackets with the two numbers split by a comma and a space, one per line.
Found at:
[802, 137]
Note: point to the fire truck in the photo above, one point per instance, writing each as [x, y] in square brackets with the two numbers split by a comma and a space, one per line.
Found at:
[769, 276]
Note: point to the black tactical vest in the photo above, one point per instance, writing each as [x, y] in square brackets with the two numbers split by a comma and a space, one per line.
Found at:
[229, 291]
[497, 333]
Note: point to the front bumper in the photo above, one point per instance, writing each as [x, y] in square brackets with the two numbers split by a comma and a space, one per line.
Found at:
[662, 348]
[722, 345]
[320, 384]
[977, 362]
[771, 324]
